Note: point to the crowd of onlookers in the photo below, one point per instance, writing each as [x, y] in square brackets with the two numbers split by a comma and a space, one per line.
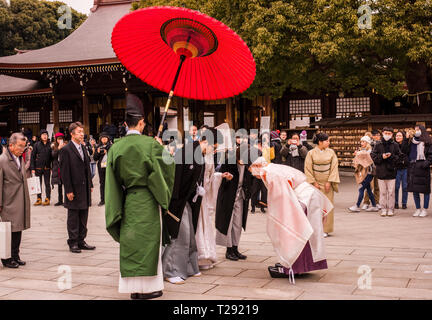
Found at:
[42, 159]
[387, 161]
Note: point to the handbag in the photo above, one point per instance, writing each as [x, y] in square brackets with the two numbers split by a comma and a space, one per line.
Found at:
[104, 161]
[5, 239]
[34, 186]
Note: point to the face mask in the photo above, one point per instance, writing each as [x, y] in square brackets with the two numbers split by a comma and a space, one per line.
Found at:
[387, 137]
[418, 134]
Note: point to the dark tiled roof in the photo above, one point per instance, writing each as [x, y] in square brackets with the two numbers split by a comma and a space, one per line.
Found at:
[11, 86]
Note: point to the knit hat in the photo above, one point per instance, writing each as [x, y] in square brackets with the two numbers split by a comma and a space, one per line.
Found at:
[274, 135]
[43, 131]
[58, 134]
[367, 139]
[104, 134]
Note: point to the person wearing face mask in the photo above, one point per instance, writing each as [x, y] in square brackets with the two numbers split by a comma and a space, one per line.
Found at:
[419, 177]
[386, 155]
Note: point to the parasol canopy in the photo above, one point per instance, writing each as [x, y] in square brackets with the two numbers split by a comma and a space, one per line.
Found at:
[184, 52]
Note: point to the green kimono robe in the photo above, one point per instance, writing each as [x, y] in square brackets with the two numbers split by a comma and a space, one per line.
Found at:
[138, 181]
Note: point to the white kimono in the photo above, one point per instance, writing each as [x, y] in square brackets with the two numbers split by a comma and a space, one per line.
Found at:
[287, 226]
[205, 233]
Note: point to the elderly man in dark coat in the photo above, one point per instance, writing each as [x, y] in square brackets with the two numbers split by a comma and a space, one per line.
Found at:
[14, 195]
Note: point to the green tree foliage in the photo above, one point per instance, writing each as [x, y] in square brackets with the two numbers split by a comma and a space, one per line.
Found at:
[32, 24]
[317, 45]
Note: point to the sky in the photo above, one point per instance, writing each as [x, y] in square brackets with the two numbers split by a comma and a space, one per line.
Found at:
[82, 6]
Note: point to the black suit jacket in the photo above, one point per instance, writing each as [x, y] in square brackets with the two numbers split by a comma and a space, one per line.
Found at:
[76, 177]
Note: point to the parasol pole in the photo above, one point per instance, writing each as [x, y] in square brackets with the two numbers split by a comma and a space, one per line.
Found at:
[170, 96]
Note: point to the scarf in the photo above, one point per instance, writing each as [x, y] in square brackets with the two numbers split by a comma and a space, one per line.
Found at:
[419, 149]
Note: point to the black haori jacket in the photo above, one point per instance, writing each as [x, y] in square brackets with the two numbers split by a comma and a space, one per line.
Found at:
[185, 184]
[227, 194]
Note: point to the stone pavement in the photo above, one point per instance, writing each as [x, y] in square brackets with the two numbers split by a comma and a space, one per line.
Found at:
[397, 250]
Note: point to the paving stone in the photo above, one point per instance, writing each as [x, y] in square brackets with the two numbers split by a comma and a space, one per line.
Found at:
[242, 282]
[204, 279]
[397, 292]
[223, 271]
[192, 296]
[421, 283]
[382, 265]
[29, 274]
[389, 253]
[315, 287]
[408, 260]
[33, 284]
[98, 291]
[349, 278]
[44, 295]
[88, 270]
[315, 296]
[256, 293]
[4, 291]
[401, 274]
[188, 287]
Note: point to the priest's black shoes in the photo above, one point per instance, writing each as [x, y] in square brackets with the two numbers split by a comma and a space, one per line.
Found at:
[75, 249]
[10, 263]
[276, 272]
[230, 255]
[238, 254]
[85, 246]
[146, 296]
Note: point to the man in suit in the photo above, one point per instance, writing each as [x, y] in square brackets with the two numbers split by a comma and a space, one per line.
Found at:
[15, 209]
[76, 177]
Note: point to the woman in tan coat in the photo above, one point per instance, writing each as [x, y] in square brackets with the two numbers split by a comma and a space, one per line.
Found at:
[322, 171]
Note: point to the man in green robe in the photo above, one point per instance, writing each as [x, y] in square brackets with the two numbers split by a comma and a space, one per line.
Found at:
[138, 185]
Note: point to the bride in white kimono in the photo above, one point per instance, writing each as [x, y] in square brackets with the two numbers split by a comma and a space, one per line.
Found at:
[205, 233]
[296, 211]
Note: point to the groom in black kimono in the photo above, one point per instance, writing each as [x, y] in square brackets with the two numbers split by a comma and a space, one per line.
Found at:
[180, 258]
[232, 201]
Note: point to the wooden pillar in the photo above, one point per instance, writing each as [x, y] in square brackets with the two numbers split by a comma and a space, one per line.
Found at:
[325, 107]
[229, 112]
[85, 113]
[13, 116]
[268, 110]
[55, 110]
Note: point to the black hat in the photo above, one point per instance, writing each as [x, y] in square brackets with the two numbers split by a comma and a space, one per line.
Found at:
[104, 134]
[43, 131]
[134, 106]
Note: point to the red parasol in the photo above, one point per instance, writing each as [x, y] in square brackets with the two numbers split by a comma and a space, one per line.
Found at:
[182, 51]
